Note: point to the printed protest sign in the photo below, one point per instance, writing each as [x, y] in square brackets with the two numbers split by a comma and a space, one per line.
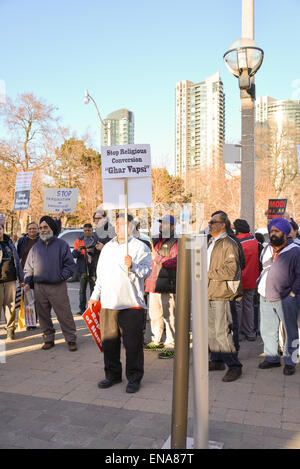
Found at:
[133, 164]
[91, 318]
[22, 190]
[126, 161]
[60, 200]
[276, 208]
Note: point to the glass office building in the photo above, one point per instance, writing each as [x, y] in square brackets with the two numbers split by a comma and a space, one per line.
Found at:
[118, 128]
[199, 123]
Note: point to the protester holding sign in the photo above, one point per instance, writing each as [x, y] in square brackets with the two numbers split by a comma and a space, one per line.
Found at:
[10, 271]
[122, 300]
[49, 264]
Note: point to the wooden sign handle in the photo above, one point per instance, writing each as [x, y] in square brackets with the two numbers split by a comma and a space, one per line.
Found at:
[126, 219]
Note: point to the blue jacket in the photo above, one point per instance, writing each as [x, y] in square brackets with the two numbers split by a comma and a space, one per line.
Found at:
[278, 278]
[49, 263]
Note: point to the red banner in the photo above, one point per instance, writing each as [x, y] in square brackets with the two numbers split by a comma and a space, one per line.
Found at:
[91, 318]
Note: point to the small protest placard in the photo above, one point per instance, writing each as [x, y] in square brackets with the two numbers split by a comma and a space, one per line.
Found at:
[60, 200]
[276, 208]
[92, 319]
[22, 190]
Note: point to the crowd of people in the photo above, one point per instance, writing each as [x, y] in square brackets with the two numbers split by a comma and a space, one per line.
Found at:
[253, 288]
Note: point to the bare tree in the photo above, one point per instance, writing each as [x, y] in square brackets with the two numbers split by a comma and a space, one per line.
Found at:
[32, 130]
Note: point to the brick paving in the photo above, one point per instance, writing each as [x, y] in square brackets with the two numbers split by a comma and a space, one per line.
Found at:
[50, 399]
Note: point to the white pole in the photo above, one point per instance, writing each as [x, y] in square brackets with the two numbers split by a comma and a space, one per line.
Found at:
[200, 340]
[248, 19]
[126, 219]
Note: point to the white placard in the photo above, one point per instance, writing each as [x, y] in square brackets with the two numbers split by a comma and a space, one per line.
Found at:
[22, 190]
[126, 161]
[60, 200]
[139, 193]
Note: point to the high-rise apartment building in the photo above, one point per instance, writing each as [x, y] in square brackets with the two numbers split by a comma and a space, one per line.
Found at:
[280, 112]
[118, 128]
[199, 123]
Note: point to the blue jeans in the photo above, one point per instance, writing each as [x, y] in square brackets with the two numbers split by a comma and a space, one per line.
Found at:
[272, 313]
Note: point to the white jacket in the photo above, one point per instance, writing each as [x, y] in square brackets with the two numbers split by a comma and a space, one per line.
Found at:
[114, 289]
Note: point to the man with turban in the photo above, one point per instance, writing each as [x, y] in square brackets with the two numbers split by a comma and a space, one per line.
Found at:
[278, 286]
[49, 264]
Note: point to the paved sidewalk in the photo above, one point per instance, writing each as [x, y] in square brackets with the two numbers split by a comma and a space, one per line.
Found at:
[50, 399]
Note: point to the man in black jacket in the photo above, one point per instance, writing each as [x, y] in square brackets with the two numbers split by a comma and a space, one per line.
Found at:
[86, 253]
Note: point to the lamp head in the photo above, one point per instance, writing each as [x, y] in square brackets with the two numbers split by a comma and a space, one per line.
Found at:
[243, 59]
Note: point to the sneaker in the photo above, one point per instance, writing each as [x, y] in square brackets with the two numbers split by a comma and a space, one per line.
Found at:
[153, 346]
[166, 354]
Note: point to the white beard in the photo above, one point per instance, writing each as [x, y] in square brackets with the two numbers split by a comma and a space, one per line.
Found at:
[46, 236]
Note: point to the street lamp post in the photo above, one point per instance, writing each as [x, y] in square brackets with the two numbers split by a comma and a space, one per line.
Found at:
[243, 59]
[87, 98]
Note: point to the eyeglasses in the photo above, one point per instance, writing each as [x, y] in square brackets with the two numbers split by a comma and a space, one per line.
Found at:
[211, 222]
[98, 218]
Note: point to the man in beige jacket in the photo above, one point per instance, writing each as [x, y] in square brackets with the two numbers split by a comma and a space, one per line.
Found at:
[224, 285]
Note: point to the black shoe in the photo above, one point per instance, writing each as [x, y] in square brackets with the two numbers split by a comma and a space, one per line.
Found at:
[107, 383]
[288, 370]
[232, 374]
[265, 365]
[215, 366]
[80, 313]
[250, 339]
[72, 346]
[132, 387]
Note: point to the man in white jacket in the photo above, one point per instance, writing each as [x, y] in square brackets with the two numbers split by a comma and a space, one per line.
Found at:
[122, 305]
